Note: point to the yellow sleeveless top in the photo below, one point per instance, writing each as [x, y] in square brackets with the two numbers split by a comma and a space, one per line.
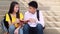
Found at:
[14, 19]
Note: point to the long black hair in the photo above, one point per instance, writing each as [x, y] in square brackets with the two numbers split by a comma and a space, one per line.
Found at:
[12, 8]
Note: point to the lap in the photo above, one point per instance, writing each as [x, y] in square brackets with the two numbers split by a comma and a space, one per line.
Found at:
[11, 27]
[26, 26]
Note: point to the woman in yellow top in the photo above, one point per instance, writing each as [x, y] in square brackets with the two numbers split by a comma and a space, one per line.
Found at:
[14, 22]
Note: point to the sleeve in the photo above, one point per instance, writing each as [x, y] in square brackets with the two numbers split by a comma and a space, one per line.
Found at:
[41, 19]
[21, 16]
[7, 18]
[25, 16]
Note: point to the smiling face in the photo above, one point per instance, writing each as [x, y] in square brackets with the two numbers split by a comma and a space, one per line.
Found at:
[16, 8]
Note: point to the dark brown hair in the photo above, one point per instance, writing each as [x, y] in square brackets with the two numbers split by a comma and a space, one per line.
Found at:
[12, 8]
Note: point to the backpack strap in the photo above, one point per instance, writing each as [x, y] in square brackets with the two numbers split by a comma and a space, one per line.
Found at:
[38, 15]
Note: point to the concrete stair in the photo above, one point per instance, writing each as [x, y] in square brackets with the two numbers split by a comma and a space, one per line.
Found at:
[49, 8]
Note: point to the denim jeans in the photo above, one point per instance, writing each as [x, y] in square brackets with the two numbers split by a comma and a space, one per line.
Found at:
[38, 29]
[20, 31]
[12, 29]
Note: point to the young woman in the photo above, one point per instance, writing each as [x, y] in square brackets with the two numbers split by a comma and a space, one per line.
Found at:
[16, 17]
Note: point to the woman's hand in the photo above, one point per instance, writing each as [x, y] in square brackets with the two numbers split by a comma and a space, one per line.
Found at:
[24, 21]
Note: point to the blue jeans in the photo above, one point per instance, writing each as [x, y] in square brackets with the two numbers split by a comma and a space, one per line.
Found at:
[38, 29]
[20, 31]
[12, 29]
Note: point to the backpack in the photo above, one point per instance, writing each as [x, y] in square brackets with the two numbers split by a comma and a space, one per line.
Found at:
[5, 22]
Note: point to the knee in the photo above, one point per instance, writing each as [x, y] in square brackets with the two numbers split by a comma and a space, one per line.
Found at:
[26, 27]
[39, 26]
[12, 27]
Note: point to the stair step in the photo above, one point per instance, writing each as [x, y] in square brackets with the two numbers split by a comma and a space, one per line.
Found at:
[51, 31]
[4, 8]
[52, 24]
[5, 2]
[3, 12]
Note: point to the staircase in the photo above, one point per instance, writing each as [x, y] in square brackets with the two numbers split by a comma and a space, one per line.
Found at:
[49, 8]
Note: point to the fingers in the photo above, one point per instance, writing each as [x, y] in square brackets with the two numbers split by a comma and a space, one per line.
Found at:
[32, 20]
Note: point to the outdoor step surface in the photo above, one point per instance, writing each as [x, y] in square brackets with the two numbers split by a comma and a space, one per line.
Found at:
[49, 8]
